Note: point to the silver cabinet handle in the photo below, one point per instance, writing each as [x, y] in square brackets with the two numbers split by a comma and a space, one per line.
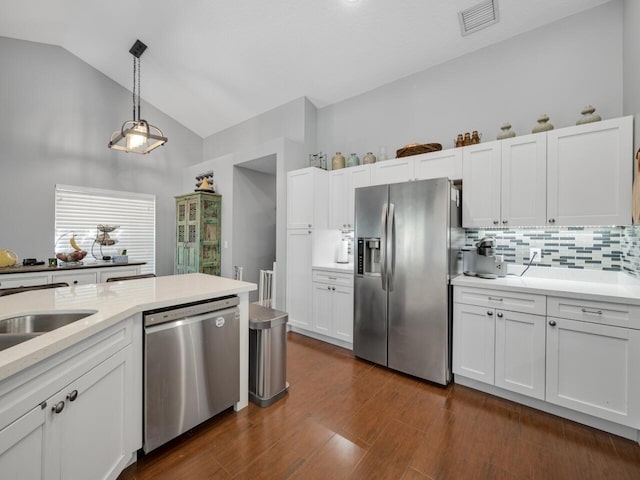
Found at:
[505, 222]
[552, 220]
[309, 225]
[552, 323]
[499, 315]
[496, 222]
[333, 288]
[490, 313]
[328, 288]
[72, 396]
[592, 312]
[495, 299]
[58, 407]
[332, 278]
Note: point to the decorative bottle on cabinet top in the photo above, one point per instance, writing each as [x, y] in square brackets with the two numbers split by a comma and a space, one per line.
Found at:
[353, 160]
[368, 158]
[337, 162]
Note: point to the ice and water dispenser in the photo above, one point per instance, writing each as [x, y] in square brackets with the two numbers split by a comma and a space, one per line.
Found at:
[369, 256]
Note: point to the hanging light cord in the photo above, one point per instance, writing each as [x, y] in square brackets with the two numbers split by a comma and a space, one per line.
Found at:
[136, 89]
[139, 74]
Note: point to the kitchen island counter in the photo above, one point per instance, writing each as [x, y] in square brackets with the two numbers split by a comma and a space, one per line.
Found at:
[113, 303]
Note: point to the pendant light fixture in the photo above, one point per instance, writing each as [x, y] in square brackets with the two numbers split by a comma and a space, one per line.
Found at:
[137, 135]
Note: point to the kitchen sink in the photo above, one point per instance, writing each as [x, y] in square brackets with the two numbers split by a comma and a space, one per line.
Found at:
[16, 330]
[41, 322]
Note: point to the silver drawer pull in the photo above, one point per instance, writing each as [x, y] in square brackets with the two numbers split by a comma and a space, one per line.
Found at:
[496, 299]
[592, 312]
[332, 278]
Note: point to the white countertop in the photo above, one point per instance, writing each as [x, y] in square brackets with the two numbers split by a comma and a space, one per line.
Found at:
[114, 302]
[593, 285]
[335, 267]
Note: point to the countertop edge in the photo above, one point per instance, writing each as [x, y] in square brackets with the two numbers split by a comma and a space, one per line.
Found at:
[22, 356]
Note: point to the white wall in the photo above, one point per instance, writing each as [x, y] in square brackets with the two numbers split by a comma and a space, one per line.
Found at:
[556, 69]
[294, 120]
[57, 114]
[254, 223]
[289, 156]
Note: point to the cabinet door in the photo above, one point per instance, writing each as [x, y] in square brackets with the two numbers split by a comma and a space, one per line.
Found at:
[89, 437]
[300, 198]
[343, 313]
[14, 281]
[590, 173]
[322, 308]
[299, 277]
[392, 171]
[75, 278]
[593, 368]
[481, 185]
[338, 198]
[520, 353]
[358, 177]
[524, 181]
[445, 163]
[22, 447]
[111, 272]
[473, 342]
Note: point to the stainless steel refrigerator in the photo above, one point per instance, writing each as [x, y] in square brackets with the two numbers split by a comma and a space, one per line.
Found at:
[408, 237]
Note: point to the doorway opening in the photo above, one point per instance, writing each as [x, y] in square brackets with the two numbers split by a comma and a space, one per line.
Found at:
[254, 218]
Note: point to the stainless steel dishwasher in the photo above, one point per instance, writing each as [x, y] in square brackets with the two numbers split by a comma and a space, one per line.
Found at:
[191, 366]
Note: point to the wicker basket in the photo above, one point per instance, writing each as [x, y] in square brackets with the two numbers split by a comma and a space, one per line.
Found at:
[417, 149]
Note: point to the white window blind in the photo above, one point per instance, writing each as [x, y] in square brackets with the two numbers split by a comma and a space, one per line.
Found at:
[79, 210]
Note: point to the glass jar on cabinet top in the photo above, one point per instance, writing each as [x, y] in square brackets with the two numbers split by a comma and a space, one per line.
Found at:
[353, 160]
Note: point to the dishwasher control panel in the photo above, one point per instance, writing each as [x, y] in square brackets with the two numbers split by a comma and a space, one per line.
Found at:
[162, 315]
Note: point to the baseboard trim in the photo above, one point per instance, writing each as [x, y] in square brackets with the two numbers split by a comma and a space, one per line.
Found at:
[579, 417]
[322, 338]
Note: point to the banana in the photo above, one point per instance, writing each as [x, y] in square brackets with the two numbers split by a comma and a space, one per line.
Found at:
[73, 243]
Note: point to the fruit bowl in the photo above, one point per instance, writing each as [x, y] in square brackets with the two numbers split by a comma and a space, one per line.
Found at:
[74, 256]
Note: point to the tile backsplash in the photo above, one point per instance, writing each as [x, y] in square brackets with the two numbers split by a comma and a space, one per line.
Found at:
[596, 248]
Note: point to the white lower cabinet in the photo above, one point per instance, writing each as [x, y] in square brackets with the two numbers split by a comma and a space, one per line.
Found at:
[70, 276]
[88, 428]
[75, 278]
[22, 445]
[333, 305]
[520, 353]
[588, 362]
[474, 342]
[593, 368]
[299, 256]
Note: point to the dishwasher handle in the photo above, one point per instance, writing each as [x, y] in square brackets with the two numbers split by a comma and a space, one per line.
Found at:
[218, 315]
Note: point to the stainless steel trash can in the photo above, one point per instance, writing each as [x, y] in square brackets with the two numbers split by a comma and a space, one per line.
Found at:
[267, 354]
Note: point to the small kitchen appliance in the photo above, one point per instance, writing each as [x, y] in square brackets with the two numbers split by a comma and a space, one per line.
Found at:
[481, 260]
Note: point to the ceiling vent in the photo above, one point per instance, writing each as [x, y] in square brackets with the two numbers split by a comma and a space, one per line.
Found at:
[479, 16]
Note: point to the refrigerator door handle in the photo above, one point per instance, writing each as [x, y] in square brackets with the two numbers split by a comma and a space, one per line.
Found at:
[383, 247]
[391, 236]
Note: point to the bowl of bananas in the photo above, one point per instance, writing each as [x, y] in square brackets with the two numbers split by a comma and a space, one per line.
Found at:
[74, 256]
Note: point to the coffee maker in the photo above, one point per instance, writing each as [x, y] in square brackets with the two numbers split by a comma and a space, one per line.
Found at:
[481, 260]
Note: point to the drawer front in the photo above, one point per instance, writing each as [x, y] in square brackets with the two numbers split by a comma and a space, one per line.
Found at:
[513, 301]
[615, 314]
[333, 278]
[15, 281]
[83, 278]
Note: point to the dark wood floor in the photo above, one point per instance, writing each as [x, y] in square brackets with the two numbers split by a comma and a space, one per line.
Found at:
[345, 418]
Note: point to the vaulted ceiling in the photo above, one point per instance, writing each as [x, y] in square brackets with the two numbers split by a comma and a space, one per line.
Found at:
[211, 64]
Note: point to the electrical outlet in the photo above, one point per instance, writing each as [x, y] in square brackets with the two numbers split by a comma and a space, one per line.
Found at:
[538, 254]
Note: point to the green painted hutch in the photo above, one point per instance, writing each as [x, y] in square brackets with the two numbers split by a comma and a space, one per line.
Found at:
[198, 217]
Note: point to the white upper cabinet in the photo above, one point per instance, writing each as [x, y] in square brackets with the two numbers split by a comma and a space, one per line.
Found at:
[481, 185]
[307, 194]
[589, 173]
[524, 181]
[445, 163]
[342, 185]
[392, 171]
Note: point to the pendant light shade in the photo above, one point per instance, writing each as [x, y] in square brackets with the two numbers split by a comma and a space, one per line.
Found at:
[137, 135]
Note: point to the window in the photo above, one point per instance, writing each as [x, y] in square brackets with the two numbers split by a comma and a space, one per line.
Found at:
[79, 211]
